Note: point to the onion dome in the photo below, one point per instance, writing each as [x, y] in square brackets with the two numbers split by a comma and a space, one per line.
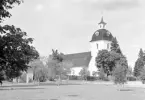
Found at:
[102, 33]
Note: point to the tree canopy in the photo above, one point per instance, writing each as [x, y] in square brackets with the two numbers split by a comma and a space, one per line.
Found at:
[115, 46]
[139, 64]
[5, 5]
[107, 60]
[16, 51]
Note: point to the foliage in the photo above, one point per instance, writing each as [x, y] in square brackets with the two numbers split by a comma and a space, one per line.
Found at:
[41, 74]
[107, 60]
[129, 71]
[142, 76]
[23, 78]
[5, 5]
[131, 78]
[59, 67]
[139, 64]
[141, 53]
[39, 70]
[115, 46]
[15, 51]
[94, 73]
[101, 74]
[102, 60]
[84, 73]
[138, 67]
[119, 74]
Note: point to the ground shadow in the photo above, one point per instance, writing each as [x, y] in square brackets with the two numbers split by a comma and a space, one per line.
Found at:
[20, 88]
[125, 89]
[73, 95]
[41, 84]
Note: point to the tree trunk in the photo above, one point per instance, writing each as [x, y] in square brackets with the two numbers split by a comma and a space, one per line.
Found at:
[59, 78]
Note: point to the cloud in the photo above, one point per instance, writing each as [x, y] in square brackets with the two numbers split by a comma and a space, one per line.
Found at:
[135, 46]
[111, 5]
[39, 7]
[121, 4]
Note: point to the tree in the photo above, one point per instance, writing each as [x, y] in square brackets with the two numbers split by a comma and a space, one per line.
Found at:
[101, 73]
[119, 74]
[142, 75]
[84, 73]
[5, 5]
[115, 46]
[141, 54]
[16, 51]
[56, 63]
[139, 64]
[102, 60]
[107, 60]
[40, 72]
[66, 68]
[129, 71]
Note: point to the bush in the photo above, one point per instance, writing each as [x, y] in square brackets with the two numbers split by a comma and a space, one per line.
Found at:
[102, 76]
[119, 74]
[91, 78]
[51, 79]
[73, 77]
[131, 78]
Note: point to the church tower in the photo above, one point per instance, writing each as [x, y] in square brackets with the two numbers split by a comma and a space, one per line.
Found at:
[101, 39]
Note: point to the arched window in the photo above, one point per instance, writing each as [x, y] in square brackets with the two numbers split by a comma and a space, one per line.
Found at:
[108, 46]
[97, 46]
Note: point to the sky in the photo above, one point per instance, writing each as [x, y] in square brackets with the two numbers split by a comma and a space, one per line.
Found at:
[68, 25]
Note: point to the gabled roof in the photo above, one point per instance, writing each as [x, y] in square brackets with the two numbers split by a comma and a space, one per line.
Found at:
[79, 59]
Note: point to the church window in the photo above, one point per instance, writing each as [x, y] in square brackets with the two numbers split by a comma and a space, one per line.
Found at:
[97, 33]
[97, 46]
[108, 33]
[108, 46]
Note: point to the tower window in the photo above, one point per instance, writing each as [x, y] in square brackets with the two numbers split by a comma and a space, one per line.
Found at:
[108, 46]
[97, 46]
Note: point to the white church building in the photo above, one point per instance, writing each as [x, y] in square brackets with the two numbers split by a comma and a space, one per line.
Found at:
[101, 39]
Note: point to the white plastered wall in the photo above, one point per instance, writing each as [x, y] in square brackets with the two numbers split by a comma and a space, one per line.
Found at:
[102, 44]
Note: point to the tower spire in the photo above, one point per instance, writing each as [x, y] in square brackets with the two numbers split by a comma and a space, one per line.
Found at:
[102, 23]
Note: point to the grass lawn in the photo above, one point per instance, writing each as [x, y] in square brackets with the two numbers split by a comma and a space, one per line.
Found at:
[71, 92]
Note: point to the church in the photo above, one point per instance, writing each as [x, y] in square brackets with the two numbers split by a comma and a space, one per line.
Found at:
[101, 39]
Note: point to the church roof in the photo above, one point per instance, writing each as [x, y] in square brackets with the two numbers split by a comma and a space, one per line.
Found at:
[79, 59]
[101, 34]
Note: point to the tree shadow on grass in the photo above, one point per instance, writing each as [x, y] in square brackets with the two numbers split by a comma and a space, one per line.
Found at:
[125, 90]
[41, 84]
[73, 95]
[20, 88]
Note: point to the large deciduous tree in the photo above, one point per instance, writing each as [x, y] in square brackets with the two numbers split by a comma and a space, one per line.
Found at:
[107, 60]
[16, 51]
[5, 5]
